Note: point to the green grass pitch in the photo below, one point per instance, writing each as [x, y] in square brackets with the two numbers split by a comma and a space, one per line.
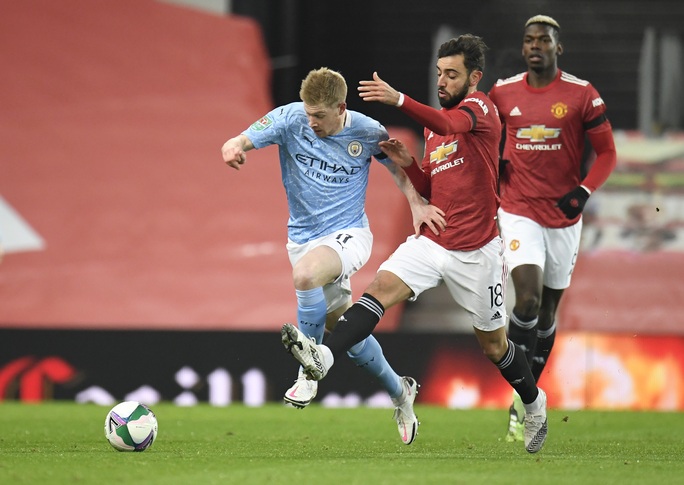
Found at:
[60, 443]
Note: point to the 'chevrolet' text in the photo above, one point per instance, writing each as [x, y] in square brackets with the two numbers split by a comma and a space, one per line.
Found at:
[538, 148]
[446, 166]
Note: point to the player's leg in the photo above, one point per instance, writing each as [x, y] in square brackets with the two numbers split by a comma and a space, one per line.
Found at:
[314, 266]
[522, 329]
[477, 282]
[315, 269]
[352, 332]
[355, 325]
[525, 253]
[562, 251]
[368, 355]
[546, 330]
[326, 264]
[512, 364]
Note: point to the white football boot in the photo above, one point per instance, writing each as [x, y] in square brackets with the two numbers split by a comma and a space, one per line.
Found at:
[315, 359]
[407, 421]
[536, 426]
[302, 392]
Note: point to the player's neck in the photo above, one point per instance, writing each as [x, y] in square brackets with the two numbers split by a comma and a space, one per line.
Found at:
[343, 121]
[541, 79]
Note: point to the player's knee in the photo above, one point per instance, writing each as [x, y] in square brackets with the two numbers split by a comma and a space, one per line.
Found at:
[303, 278]
[494, 350]
[527, 305]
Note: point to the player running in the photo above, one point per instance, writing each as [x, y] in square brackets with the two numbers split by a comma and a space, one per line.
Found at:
[325, 155]
[546, 113]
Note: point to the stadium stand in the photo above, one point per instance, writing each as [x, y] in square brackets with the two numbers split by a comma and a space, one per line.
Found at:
[113, 116]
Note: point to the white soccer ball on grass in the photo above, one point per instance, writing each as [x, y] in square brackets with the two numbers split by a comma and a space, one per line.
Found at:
[130, 426]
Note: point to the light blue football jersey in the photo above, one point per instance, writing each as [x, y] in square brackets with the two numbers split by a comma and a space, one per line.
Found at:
[325, 179]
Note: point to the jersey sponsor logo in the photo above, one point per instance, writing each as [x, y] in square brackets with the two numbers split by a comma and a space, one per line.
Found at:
[354, 148]
[596, 102]
[328, 172]
[538, 133]
[442, 152]
[479, 102]
[262, 124]
[446, 166]
[559, 110]
[535, 147]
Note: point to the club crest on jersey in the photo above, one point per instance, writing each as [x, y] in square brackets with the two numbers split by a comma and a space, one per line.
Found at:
[538, 133]
[355, 148]
[559, 110]
[262, 124]
[442, 152]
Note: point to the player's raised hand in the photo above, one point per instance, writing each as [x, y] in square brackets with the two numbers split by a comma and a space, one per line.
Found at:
[397, 152]
[378, 90]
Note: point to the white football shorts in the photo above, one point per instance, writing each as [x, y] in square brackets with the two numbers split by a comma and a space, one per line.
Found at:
[475, 279]
[353, 246]
[553, 250]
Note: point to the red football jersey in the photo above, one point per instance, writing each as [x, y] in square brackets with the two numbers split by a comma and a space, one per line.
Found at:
[545, 131]
[462, 171]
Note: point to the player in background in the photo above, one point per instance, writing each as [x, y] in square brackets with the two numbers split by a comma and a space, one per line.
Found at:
[546, 113]
[459, 174]
[325, 154]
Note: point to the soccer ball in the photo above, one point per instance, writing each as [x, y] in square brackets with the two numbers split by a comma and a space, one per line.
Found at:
[130, 426]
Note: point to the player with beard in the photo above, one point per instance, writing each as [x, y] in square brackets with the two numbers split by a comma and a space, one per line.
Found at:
[458, 174]
[546, 113]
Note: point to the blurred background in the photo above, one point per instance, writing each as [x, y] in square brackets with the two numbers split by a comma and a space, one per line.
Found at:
[137, 265]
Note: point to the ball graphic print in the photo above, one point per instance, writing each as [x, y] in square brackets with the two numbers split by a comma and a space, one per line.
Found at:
[131, 426]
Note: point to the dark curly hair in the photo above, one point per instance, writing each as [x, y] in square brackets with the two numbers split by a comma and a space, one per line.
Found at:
[472, 48]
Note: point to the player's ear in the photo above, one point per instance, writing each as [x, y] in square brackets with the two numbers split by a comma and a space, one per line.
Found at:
[341, 107]
[559, 49]
[475, 77]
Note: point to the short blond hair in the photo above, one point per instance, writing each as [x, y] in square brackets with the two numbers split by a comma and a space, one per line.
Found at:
[323, 87]
[543, 19]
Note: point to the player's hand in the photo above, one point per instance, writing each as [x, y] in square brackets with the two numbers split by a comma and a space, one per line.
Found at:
[233, 154]
[572, 203]
[378, 90]
[397, 152]
[431, 216]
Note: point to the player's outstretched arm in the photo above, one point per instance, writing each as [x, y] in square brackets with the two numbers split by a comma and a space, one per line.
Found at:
[233, 151]
[378, 90]
[440, 121]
